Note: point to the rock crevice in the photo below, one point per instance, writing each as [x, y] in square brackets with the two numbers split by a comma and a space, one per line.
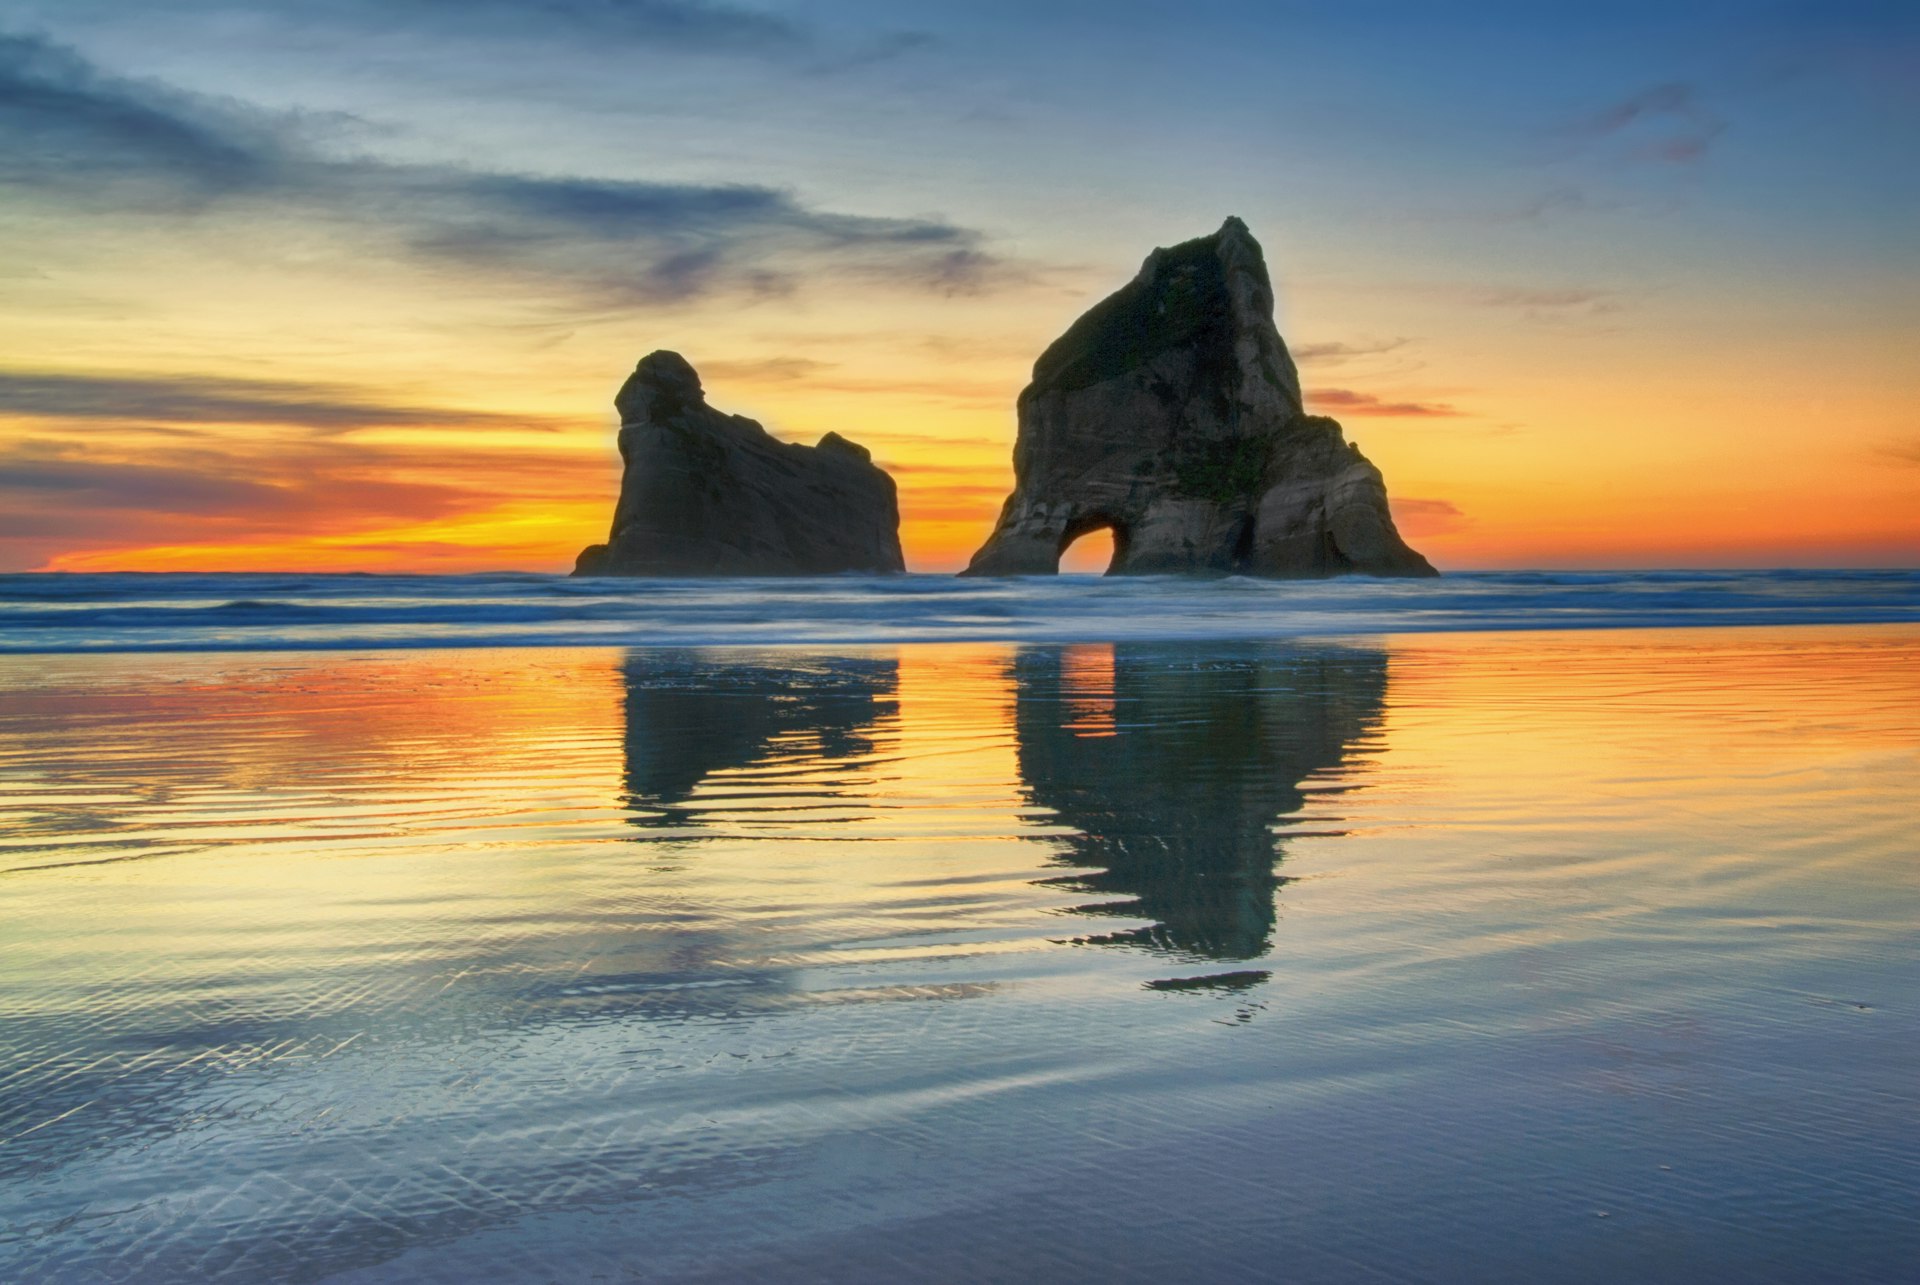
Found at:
[1171, 413]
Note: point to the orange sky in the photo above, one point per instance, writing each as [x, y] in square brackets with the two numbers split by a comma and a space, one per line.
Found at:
[1537, 452]
[300, 320]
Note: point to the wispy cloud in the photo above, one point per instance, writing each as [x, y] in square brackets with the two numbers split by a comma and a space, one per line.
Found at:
[1666, 122]
[1907, 452]
[66, 126]
[619, 28]
[1544, 297]
[59, 497]
[203, 399]
[948, 469]
[1552, 304]
[1337, 353]
[73, 135]
[1416, 517]
[1537, 208]
[1366, 404]
[955, 392]
[947, 442]
[677, 24]
[764, 370]
[822, 377]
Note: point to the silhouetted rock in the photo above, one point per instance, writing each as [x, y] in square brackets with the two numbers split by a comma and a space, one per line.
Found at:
[1171, 413]
[709, 494]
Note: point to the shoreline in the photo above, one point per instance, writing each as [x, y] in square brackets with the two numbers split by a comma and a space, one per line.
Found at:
[192, 613]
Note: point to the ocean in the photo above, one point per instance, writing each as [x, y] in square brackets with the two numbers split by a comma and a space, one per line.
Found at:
[265, 612]
[1508, 927]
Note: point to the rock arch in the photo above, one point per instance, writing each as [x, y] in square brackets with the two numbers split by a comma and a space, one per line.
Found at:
[1087, 524]
[1172, 411]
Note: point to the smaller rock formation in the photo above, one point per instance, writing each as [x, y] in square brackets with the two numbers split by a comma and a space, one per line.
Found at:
[709, 494]
[1171, 413]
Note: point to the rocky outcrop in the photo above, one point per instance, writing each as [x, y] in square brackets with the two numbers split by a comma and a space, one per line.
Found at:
[709, 494]
[1171, 413]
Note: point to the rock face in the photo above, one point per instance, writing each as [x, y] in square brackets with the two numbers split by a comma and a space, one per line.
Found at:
[1171, 413]
[708, 494]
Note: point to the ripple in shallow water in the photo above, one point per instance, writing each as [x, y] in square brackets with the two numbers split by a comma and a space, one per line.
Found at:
[1408, 957]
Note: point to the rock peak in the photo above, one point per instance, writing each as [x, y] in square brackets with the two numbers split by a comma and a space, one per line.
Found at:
[709, 494]
[1171, 413]
[664, 384]
[668, 369]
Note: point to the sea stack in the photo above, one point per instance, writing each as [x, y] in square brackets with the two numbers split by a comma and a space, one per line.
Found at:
[1171, 413]
[709, 494]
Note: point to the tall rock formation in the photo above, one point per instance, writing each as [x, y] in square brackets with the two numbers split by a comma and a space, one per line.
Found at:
[1171, 413]
[709, 494]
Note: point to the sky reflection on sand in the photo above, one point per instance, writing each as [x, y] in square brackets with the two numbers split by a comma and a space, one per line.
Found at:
[1411, 955]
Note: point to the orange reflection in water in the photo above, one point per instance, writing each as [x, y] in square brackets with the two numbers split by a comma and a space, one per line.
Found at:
[1639, 710]
[413, 926]
[1086, 675]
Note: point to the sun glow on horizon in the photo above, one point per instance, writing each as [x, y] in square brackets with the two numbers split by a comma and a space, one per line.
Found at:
[336, 326]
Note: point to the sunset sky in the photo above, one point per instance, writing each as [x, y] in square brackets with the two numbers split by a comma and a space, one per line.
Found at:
[350, 284]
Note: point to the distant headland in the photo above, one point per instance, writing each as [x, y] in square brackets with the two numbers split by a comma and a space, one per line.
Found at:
[1170, 413]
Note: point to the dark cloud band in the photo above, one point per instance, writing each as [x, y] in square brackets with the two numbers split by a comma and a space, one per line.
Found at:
[77, 139]
[200, 399]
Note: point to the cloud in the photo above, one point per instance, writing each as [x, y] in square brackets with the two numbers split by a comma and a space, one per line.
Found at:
[1538, 208]
[106, 145]
[75, 494]
[122, 486]
[955, 392]
[1364, 404]
[621, 28]
[1543, 298]
[1553, 304]
[942, 440]
[65, 497]
[677, 24]
[884, 49]
[1419, 517]
[764, 370]
[1333, 354]
[63, 124]
[817, 376]
[928, 469]
[1907, 452]
[1665, 123]
[203, 399]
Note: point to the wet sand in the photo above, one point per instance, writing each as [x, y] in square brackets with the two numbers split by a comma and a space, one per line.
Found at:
[1570, 956]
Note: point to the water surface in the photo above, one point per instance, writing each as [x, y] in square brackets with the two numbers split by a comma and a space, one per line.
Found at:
[191, 612]
[1554, 956]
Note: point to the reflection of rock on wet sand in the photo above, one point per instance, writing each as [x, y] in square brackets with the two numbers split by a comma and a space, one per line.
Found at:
[1173, 762]
[690, 714]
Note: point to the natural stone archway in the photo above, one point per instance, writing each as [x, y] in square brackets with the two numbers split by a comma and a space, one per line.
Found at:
[1090, 524]
[1172, 412]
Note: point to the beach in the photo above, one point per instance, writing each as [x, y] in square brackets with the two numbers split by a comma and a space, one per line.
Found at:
[715, 641]
[1566, 954]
